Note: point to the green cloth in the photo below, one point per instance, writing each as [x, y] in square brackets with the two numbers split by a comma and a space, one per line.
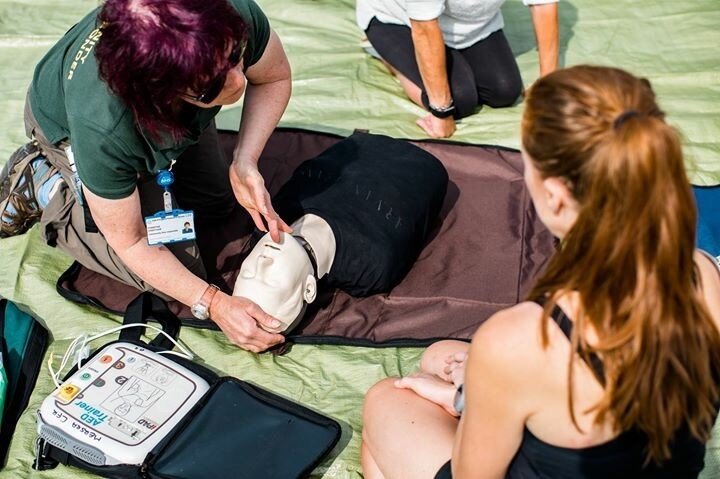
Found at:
[70, 101]
[336, 88]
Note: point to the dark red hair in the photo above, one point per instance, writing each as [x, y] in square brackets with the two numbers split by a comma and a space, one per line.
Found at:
[152, 51]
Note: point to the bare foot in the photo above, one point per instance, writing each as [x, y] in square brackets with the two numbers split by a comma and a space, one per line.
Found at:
[437, 127]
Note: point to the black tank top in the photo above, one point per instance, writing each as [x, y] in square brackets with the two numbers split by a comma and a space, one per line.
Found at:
[620, 458]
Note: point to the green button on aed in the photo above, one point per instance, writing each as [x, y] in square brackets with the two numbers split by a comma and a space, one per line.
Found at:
[85, 376]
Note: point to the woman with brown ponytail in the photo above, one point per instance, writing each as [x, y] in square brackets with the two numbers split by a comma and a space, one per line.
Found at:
[611, 369]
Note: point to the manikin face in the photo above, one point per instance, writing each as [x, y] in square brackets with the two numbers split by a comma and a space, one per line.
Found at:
[278, 277]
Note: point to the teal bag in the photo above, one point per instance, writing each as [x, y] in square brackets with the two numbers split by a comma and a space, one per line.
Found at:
[3, 384]
[23, 343]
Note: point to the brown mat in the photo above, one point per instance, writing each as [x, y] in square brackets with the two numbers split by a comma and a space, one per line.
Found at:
[481, 258]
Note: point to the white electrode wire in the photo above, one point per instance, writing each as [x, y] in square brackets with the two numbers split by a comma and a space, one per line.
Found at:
[177, 343]
[174, 353]
[71, 350]
[55, 375]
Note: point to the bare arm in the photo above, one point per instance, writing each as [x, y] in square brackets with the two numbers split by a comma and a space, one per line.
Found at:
[710, 282]
[430, 55]
[267, 95]
[121, 222]
[545, 23]
[492, 423]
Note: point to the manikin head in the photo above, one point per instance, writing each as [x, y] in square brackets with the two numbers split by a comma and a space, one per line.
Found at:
[278, 277]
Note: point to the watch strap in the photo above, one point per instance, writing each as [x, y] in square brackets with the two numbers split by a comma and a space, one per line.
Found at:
[207, 297]
[442, 111]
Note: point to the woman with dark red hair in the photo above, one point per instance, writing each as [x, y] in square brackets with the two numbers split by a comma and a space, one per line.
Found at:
[127, 98]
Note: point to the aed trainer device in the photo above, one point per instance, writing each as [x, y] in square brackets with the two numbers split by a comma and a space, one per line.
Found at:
[118, 406]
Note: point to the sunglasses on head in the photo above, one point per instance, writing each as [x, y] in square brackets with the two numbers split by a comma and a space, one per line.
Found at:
[216, 84]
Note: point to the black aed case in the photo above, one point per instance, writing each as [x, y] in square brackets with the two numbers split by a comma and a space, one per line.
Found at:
[236, 430]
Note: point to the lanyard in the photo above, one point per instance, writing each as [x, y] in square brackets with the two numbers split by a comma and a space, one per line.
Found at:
[164, 179]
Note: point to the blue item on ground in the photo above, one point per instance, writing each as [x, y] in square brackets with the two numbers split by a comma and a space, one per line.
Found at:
[708, 230]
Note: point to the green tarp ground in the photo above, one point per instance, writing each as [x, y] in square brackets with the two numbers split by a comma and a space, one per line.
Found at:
[337, 88]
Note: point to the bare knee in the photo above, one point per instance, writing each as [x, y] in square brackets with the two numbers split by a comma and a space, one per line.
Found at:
[375, 401]
[372, 433]
[376, 396]
[433, 359]
[403, 433]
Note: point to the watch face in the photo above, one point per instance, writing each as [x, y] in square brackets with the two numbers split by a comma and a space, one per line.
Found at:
[459, 401]
[200, 311]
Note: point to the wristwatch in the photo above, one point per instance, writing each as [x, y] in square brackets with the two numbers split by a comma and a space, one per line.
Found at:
[442, 111]
[201, 309]
[459, 401]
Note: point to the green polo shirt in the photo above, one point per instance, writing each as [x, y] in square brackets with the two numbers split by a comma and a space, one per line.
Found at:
[70, 101]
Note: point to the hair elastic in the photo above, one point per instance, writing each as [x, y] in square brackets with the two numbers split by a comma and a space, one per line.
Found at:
[623, 117]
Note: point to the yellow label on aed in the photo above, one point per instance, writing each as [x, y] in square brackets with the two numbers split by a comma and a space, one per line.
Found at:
[67, 392]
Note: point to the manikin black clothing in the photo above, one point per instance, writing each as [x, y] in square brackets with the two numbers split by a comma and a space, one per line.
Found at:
[380, 196]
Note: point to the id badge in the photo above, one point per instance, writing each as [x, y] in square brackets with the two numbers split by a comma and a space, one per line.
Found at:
[172, 227]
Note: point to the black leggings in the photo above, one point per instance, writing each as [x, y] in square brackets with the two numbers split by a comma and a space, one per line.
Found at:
[482, 74]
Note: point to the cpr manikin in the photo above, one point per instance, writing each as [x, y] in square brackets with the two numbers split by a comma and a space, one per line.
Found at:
[282, 277]
[360, 211]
